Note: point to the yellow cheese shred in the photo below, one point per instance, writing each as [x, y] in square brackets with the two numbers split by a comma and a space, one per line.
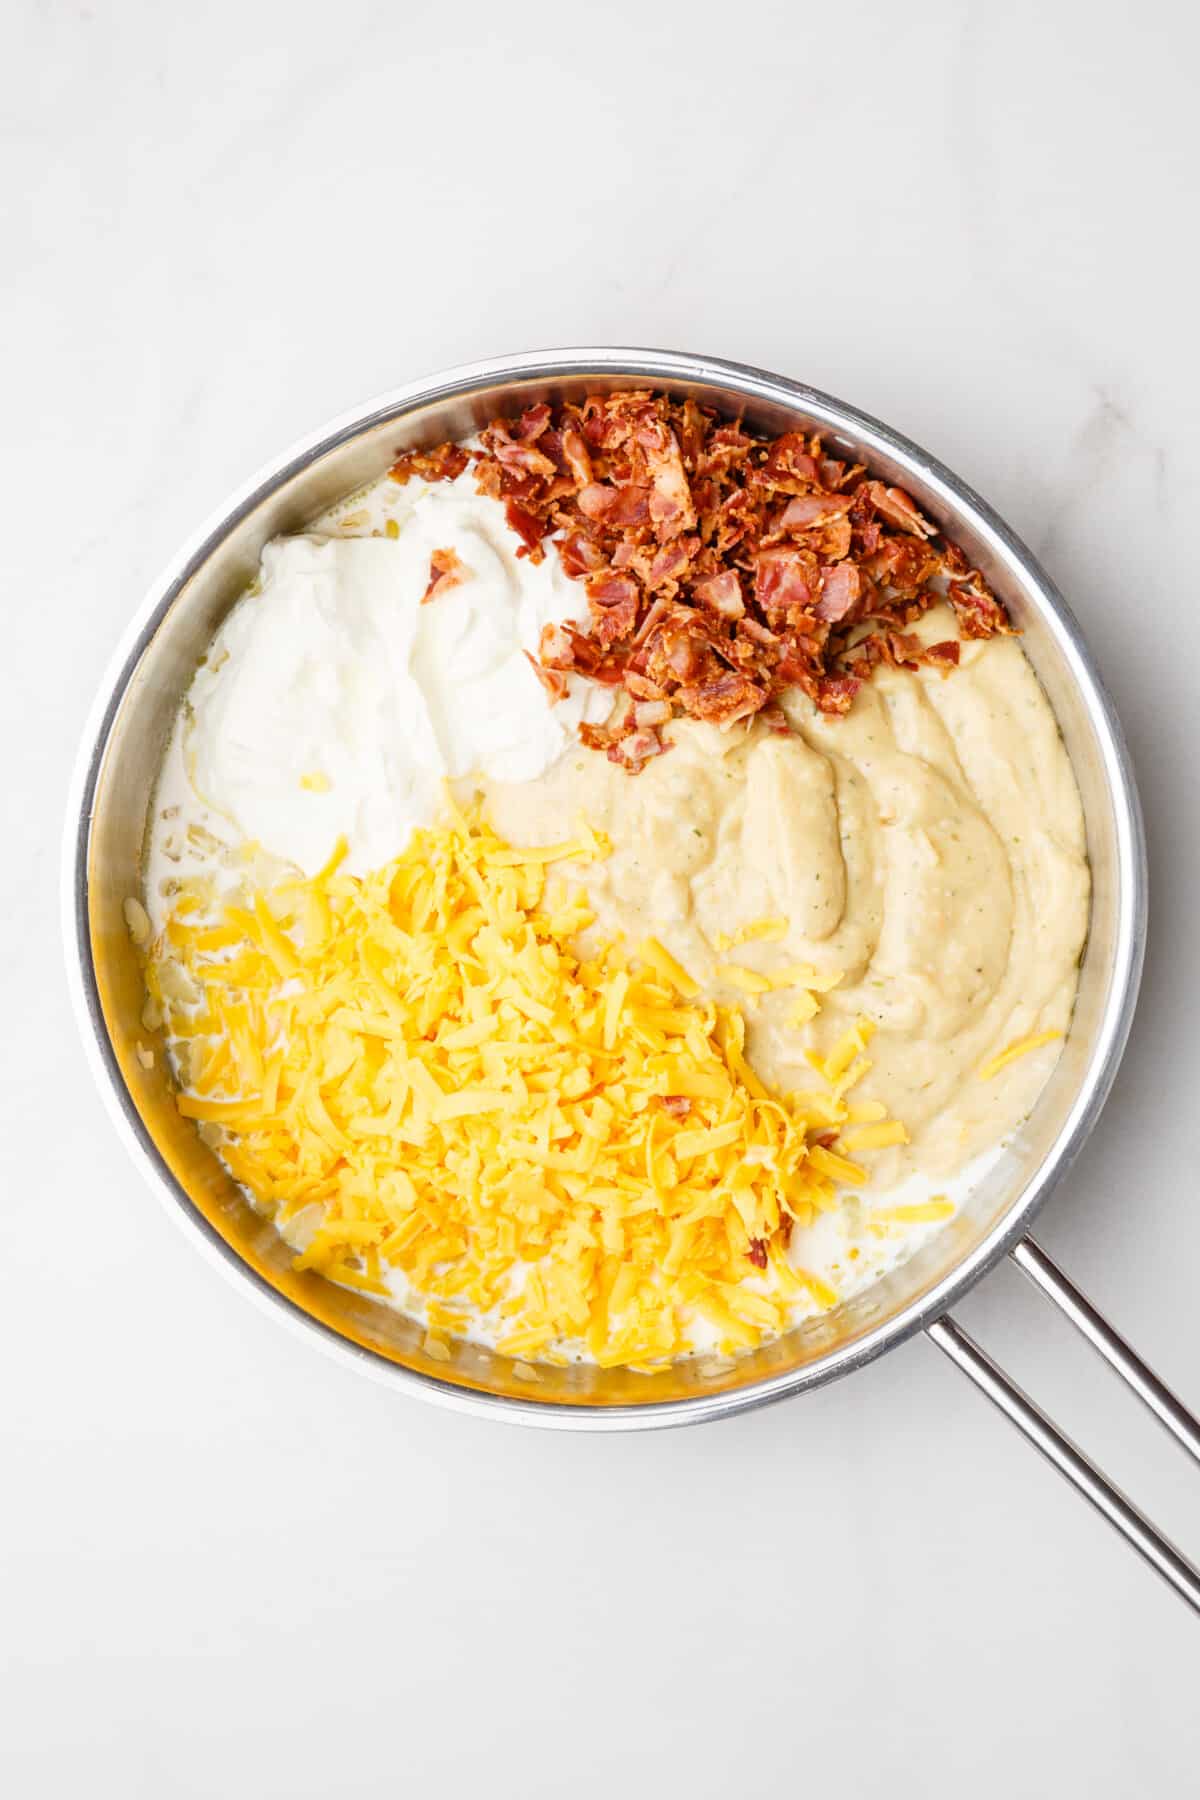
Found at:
[1019, 1047]
[425, 1065]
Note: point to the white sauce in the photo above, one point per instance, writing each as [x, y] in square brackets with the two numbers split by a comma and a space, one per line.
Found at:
[334, 703]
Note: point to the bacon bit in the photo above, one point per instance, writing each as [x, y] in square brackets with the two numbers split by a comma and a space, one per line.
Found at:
[631, 507]
[835, 693]
[758, 634]
[684, 654]
[533, 421]
[898, 509]
[790, 465]
[613, 600]
[446, 570]
[721, 594]
[553, 680]
[758, 1252]
[901, 649]
[580, 554]
[519, 454]
[785, 579]
[528, 528]
[720, 568]
[555, 647]
[841, 591]
[776, 720]
[642, 688]
[636, 751]
[902, 566]
[669, 563]
[661, 610]
[798, 663]
[979, 614]
[596, 500]
[723, 700]
[445, 462]
[807, 510]
[575, 455]
[835, 475]
[678, 1105]
[671, 505]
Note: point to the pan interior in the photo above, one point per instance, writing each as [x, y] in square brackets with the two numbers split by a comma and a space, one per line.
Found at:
[187, 613]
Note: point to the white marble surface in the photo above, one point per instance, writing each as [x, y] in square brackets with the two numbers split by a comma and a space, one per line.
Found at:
[228, 1566]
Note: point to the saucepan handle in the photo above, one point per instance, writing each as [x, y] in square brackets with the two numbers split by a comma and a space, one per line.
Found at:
[1054, 1444]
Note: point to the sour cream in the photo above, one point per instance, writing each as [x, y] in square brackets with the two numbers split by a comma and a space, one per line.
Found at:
[334, 703]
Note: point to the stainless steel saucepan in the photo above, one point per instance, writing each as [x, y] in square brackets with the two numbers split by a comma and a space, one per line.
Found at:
[107, 824]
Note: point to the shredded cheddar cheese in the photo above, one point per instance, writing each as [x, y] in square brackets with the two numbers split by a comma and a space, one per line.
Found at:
[425, 1065]
[749, 981]
[1020, 1047]
[918, 1212]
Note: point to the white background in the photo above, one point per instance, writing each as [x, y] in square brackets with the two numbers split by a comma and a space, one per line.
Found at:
[229, 1567]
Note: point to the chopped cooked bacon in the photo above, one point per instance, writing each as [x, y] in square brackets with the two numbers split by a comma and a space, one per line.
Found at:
[553, 680]
[757, 1252]
[526, 457]
[556, 648]
[901, 649]
[776, 720]
[446, 570]
[835, 474]
[785, 580]
[807, 510]
[789, 465]
[669, 563]
[575, 455]
[898, 509]
[636, 750]
[533, 421]
[678, 1105]
[835, 693]
[724, 699]
[799, 662]
[596, 500]
[722, 594]
[613, 601]
[579, 553]
[519, 455]
[720, 568]
[979, 613]
[683, 652]
[671, 505]
[527, 527]
[630, 508]
[443, 463]
[902, 565]
[841, 591]
[758, 634]
[641, 687]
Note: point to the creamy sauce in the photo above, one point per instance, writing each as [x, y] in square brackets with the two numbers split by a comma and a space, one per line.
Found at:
[333, 702]
[929, 848]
